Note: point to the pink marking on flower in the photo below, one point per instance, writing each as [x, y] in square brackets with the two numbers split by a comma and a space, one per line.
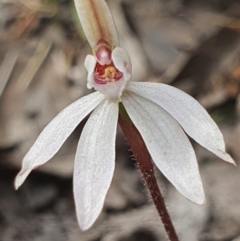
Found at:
[104, 74]
[109, 79]
[105, 70]
[103, 53]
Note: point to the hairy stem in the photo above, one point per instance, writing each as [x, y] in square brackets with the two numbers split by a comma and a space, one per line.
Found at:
[143, 158]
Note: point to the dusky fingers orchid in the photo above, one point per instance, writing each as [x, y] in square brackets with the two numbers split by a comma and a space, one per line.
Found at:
[159, 112]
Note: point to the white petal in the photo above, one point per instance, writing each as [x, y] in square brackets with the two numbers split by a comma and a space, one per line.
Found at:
[90, 63]
[188, 112]
[55, 134]
[97, 21]
[168, 145]
[94, 163]
[122, 62]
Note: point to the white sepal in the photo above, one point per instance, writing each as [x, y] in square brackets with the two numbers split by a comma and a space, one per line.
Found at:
[97, 22]
[193, 118]
[167, 144]
[55, 134]
[94, 163]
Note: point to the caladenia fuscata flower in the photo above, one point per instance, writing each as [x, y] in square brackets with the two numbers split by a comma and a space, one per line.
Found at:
[161, 114]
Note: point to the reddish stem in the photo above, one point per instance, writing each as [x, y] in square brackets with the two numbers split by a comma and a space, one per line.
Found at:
[143, 158]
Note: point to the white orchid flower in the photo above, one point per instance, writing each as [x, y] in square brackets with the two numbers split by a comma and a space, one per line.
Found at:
[161, 114]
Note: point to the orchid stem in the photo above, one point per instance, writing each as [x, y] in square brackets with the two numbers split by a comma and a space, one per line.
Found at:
[143, 158]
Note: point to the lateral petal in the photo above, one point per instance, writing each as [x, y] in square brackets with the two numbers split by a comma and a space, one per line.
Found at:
[94, 163]
[193, 118]
[168, 145]
[55, 134]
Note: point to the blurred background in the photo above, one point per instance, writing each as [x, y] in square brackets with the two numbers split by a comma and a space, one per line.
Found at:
[191, 44]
